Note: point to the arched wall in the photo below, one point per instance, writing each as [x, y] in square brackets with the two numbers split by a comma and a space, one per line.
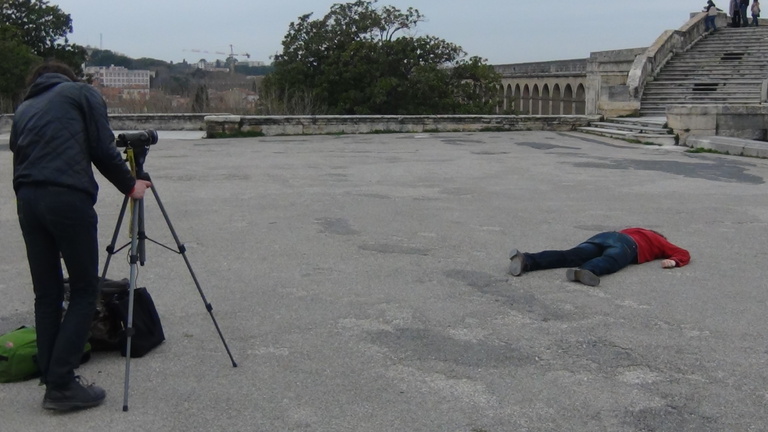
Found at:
[545, 96]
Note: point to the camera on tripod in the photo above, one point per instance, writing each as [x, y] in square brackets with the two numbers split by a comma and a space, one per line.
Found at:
[137, 139]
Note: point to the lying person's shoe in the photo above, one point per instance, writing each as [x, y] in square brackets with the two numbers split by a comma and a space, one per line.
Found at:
[74, 397]
[584, 276]
[519, 265]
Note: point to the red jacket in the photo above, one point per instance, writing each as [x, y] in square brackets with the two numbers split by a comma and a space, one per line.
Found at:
[652, 246]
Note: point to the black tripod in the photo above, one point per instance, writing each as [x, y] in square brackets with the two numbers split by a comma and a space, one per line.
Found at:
[136, 154]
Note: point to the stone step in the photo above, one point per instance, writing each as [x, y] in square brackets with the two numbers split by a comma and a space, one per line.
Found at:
[702, 89]
[676, 78]
[660, 139]
[699, 101]
[711, 96]
[734, 46]
[714, 75]
[715, 65]
[730, 85]
[705, 95]
[656, 122]
[729, 145]
[740, 51]
[630, 127]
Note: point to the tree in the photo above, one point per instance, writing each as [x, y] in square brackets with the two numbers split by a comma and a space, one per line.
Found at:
[32, 31]
[200, 102]
[360, 59]
[108, 58]
[43, 28]
[17, 58]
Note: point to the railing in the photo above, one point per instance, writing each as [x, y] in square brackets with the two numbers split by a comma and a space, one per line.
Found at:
[671, 42]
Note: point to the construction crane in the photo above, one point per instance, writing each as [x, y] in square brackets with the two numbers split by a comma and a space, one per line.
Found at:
[231, 56]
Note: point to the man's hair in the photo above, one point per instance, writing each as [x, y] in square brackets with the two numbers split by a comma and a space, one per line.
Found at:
[52, 66]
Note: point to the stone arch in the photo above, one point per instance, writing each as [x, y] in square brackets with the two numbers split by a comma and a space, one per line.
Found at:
[508, 99]
[526, 103]
[557, 100]
[535, 100]
[568, 100]
[545, 100]
[518, 100]
[580, 100]
[500, 99]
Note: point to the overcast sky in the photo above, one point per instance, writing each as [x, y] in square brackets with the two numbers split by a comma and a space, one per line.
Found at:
[501, 31]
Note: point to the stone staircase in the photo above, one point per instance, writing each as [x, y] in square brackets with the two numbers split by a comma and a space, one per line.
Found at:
[725, 67]
[647, 130]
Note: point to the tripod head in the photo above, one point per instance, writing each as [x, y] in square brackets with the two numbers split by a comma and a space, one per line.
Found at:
[136, 147]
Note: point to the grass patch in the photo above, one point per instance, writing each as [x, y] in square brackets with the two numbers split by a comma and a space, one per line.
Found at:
[493, 129]
[637, 141]
[706, 150]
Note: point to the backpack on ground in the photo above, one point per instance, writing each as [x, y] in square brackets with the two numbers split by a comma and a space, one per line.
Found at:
[105, 327]
[18, 355]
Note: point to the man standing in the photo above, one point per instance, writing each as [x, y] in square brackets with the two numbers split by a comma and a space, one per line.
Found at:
[58, 131]
[743, 9]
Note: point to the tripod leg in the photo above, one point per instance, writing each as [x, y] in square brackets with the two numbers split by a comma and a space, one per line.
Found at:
[111, 247]
[134, 258]
[182, 251]
[142, 234]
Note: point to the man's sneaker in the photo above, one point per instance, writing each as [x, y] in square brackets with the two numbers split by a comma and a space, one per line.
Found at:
[584, 276]
[76, 396]
[518, 265]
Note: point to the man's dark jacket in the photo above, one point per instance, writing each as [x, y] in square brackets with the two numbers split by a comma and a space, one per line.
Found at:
[58, 131]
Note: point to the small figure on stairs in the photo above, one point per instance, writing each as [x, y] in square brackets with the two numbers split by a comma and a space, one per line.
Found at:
[709, 20]
[743, 7]
[755, 12]
[735, 13]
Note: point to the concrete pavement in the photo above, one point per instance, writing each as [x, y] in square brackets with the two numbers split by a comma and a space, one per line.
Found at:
[361, 284]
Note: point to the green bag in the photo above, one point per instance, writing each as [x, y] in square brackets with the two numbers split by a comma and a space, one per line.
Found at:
[18, 355]
[18, 352]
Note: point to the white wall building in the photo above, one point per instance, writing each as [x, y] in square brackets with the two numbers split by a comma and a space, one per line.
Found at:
[120, 77]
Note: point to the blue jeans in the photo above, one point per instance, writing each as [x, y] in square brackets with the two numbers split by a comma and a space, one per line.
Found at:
[744, 19]
[60, 223]
[602, 254]
[709, 22]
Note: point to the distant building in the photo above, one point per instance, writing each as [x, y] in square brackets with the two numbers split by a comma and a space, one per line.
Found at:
[211, 66]
[120, 77]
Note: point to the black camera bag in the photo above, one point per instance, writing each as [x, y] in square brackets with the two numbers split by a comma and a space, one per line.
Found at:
[147, 329]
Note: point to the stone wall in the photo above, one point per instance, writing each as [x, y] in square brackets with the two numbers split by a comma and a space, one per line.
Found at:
[547, 68]
[168, 122]
[317, 125]
[607, 89]
[5, 123]
[735, 121]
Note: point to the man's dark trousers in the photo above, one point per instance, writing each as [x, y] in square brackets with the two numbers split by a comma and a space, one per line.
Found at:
[601, 254]
[60, 223]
